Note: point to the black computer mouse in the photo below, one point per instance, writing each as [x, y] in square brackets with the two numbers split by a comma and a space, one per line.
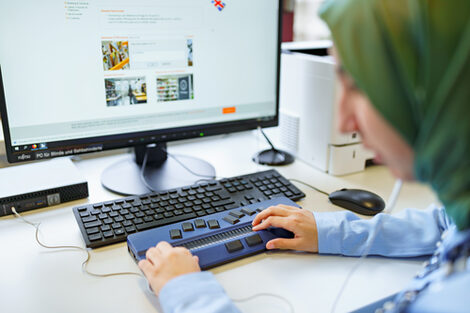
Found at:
[357, 200]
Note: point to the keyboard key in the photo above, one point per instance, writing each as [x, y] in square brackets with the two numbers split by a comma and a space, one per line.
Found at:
[222, 203]
[130, 229]
[89, 219]
[105, 228]
[94, 237]
[175, 234]
[119, 218]
[92, 230]
[165, 221]
[108, 234]
[187, 226]
[210, 211]
[234, 246]
[92, 224]
[119, 232]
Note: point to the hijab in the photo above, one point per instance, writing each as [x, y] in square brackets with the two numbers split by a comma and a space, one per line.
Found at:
[412, 59]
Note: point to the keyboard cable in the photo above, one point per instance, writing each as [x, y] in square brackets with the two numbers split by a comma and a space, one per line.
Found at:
[308, 185]
[88, 258]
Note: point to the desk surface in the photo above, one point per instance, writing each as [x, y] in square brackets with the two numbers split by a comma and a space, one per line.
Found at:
[33, 279]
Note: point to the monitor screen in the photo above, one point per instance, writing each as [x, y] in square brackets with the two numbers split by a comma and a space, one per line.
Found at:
[85, 76]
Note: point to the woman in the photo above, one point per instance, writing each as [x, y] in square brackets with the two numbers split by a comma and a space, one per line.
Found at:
[405, 70]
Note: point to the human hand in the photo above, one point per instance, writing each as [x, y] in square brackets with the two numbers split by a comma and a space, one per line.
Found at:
[164, 263]
[300, 222]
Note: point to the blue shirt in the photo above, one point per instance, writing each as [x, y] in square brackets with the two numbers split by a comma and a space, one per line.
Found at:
[347, 234]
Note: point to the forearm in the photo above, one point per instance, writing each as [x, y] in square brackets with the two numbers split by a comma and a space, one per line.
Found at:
[406, 234]
[195, 292]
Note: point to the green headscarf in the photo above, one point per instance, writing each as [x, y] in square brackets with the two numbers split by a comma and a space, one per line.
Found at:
[412, 59]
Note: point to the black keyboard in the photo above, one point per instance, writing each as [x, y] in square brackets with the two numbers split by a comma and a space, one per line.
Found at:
[110, 222]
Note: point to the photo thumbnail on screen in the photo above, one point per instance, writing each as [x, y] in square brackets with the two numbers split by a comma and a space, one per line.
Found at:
[175, 87]
[115, 55]
[125, 91]
[189, 44]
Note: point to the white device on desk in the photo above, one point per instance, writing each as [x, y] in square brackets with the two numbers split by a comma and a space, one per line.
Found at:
[308, 107]
[39, 185]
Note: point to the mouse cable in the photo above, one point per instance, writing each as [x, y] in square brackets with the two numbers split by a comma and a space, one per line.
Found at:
[308, 185]
[388, 210]
[266, 294]
[84, 264]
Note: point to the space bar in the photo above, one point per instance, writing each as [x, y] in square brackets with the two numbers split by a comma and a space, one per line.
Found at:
[165, 221]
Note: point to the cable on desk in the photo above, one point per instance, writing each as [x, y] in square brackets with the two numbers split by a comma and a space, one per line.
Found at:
[308, 185]
[149, 187]
[266, 294]
[388, 210]
[84, 264]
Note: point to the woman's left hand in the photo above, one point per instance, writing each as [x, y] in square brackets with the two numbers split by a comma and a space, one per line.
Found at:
[164, 263]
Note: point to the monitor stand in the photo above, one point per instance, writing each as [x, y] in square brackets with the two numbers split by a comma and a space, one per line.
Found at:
[161, 171]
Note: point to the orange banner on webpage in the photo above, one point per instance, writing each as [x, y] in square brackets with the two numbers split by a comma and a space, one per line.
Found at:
[229, 110]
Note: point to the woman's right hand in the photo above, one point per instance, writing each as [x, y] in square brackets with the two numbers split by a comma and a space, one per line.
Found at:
[300, 222]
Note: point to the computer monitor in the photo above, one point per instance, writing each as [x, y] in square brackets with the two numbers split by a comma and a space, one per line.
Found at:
[87, 76]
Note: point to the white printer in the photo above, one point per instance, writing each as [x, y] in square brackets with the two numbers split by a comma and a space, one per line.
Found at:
[308, 107]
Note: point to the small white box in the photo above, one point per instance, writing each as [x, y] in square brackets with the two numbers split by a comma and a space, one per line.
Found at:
[308, 92]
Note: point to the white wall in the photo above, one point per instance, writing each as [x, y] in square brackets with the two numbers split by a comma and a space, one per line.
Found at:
[307, 25]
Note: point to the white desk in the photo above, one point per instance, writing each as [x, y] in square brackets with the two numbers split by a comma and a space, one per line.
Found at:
[33, 279]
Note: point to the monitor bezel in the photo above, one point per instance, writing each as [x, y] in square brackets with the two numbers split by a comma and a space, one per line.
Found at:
[129, 140]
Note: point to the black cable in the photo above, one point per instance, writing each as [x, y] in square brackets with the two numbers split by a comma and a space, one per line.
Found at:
[142, 170]
[149, 187]
[267, 139]
[308, 185]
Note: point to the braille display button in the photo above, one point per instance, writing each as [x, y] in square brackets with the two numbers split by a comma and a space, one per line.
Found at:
[213, 224]
[237, 214]
[200, 223]
[248, 211]
[187, 226]
[175, 234]
[253, 240]
[231, 219]
[234, 246]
